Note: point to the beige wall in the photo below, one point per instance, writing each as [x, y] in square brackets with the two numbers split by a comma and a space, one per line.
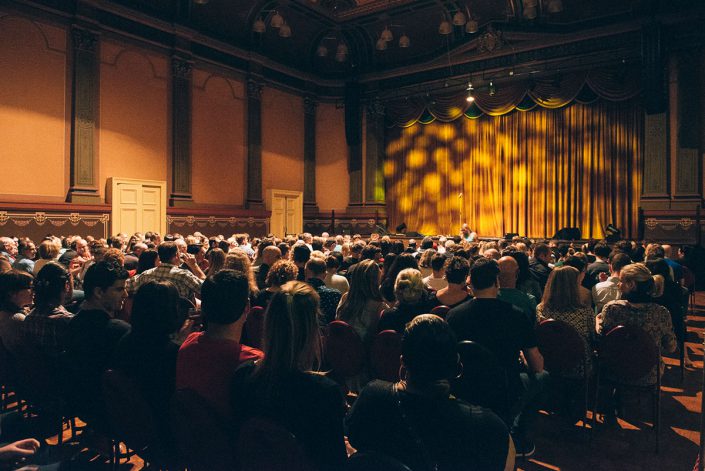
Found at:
[133, 125]
[332, 180]
[282, 141]
[133, 114]
[33, 112]
[219, 148]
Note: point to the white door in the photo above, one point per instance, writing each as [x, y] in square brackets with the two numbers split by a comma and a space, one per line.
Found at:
[138, 205]
[286, 212]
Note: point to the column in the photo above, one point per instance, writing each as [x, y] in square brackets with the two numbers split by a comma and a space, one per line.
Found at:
[85, 93]
[254, 144]
[181, 69]
[310, 104]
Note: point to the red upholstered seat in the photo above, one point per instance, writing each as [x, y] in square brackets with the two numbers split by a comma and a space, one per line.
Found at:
[344, 352]
[384, 355]
[440, 311]
[254, 327]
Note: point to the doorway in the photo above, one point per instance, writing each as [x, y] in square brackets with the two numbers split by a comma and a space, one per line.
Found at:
[137, 205]
[287, 212]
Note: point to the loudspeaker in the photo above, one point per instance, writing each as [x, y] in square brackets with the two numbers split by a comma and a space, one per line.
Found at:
[400, 228]
[612, 234]
[568, 233]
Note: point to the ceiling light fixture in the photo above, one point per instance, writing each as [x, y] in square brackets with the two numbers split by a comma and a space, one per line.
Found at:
[381, 44]
[200, 2]
[445, 27]
[404, 41]
[470, 98]
[258, 26]
[285, 31]
[459, 18]
[493, 89]
[530, 13]
[471, 26]
[555, 6]
[322, 51]
[341, 53]
[277, 20]
[386, 34]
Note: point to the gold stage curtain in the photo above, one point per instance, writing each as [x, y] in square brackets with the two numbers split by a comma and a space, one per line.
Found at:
[528, 172]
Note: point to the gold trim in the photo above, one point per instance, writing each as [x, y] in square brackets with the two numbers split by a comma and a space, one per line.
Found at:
[55, 219]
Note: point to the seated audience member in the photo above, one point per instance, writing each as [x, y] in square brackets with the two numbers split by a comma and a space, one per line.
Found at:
[147, 354]
[561, 301]
[280, 273]
[300, 254]
[148, 259]
[672, 299]
[600, 265]
[425, 260]
[508, 276]
[94, 333]
[636, 307]
[15, 296]
[579, 262]
[360, 307]
[188, 284]
[270, 254]
[401, 262]
[239, 261]
[437, 279]
[412, 300]
[207, 360]
[525, 280]
[8, 248]
[606, 291]
[539, 264]
[216, 261]
[332, 278]
[456, 293]
[329, 297]
[26, 253]
[5, 264]
[46, 326]
[48, 252]
[671, 256]
[282, 386]
[417, 421]
[506, 332]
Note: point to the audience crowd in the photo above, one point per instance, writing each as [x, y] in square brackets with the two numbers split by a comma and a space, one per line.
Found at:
[171, 313]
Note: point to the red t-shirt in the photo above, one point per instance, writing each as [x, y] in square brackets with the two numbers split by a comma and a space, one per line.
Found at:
[206, 365]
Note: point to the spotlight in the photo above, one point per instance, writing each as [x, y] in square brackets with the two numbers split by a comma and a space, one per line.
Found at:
[470, 98]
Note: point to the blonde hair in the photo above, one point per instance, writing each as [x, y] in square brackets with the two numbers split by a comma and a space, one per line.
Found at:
[409, 287]
[292, 340]
[238, 260]
[364, 286]
[645, 284]
[561, 292]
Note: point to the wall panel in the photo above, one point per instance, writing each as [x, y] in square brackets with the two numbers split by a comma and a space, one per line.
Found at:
[332, 181]
[33, 121]
[282, 141]
[133, 114]
[219, 145]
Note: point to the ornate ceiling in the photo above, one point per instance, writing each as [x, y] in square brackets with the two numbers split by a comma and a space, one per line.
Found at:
[507, 31]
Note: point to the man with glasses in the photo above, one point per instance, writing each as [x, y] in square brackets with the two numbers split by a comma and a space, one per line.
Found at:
[27, 252]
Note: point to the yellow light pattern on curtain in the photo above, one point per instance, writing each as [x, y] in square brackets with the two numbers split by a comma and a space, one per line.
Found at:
[526, 172]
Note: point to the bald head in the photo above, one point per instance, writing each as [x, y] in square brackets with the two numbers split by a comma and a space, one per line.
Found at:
[508, 272]
[271, 254]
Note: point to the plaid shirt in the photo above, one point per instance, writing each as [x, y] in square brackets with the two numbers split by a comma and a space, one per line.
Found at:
[47, 330]
[187, 284]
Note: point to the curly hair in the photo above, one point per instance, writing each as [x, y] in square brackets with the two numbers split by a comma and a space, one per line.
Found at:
[281, 272]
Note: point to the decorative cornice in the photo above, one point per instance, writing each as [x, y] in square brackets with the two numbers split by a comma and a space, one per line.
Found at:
[83, 40]
[181, 68]
[254, 88]
[310, 104]
[40, 218]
